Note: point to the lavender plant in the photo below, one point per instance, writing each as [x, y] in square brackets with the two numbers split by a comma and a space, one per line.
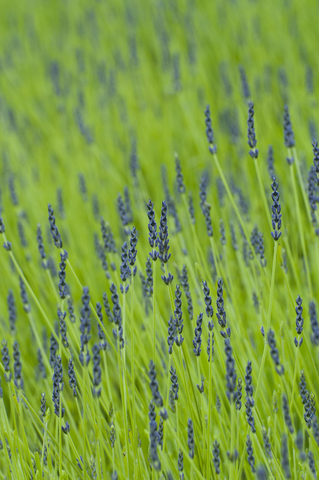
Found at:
[117, 254]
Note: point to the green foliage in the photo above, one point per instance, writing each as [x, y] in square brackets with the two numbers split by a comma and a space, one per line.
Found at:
[106, 99]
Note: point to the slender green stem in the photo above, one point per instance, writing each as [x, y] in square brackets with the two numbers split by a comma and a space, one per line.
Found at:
[275, 435]
[54, 289]
[271, 297]
[167, 397]
[43, 444]
[232, 438]
[295, 373]
[237, 444]
[201, 399]
[263, 195]
[209, 413]
[133, 375]
[300, 228]
[60, 435]
[154, 312]
[84, 415]
[125, 387]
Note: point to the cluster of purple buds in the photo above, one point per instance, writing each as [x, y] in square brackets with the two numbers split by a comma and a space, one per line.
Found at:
[107, 308]
[162, 240]
[124, 269]
[108, 239]
[221, 313]
[24, 298]
[152, 228]
[57, 386]
[64, 338]
[117, 316]
[178, 316]
[274, 353]
[101, 334]
[210, 345]
[122, 212]
[185, 285]
[314, 323]
[197, 342]
[158, 400]
[133, 252]
[249, 397]
[62, 285]
[85, 326]
[244, 82]
[208, 303]
[17, 367]
[179, 175]
[287, 417]
[41, 247]
[171, 334]
[6, 361]
[299, 321]
[276, 211]
[239, 394]
[209, 132]
[252, 142]
[174, 380]
[315, 150]
[288, 132]
[230, 372]
[313, 195]
[97, 373]
[72, 378]
[54, 229]
[12, 312]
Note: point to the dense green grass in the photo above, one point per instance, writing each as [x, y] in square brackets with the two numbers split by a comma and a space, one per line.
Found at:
[85, 89]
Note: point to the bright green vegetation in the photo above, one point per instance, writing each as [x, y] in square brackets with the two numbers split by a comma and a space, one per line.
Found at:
[99, 97]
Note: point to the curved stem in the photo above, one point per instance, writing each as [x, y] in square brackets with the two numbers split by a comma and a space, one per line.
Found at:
[271, 296]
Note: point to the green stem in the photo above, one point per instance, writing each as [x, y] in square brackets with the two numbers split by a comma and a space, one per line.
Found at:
[237, 443]
[133, 376]
[209, 413]
[300, 227]
[84, 415]
[271, 296]
[52, 285]
[167, 397]
[295, 373]
[263, 195]
[154, 312]
[60, 436]
[232, 438]
[125, 390]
